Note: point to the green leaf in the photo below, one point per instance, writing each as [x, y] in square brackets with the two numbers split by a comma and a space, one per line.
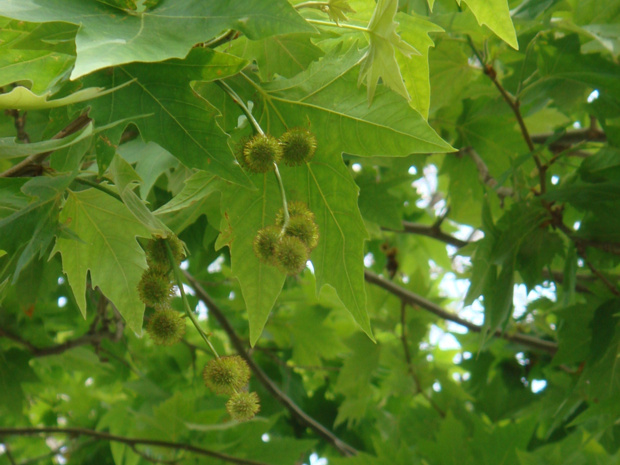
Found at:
[14, 370]
[26, 54]
[327, 97]
[379, 62]
[155, 35]
[496, 15]
[337, 9]
[151, 161]
[244, 212]
[198, 186]
[326, 186]
[126, 179]
[415, 68]
[11, 148]
[35, 223]
[312, 340]
[179, 121]
[285, 55]
[106, 248]
[24, 99]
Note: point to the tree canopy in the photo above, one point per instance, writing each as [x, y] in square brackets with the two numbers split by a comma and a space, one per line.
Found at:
[345, 232]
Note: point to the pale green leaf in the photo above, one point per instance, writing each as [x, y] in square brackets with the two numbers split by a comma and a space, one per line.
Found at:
[107, 249]
[337, 9]
[496, 15]
[151, 161]
[24, 99]
[200, 185]
[169, 30]
[10, 148]
[415, 30]
[126, 179]
[380, 59]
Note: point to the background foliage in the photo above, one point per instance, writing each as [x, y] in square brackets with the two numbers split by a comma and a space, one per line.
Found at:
[461, 306]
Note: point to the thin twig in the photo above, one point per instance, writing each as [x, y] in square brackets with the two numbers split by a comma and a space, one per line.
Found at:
[96, 185]
[88, 339]
[514, 105]
[415, 299]
[131, 442]
[151, 459]
[35, 160]
[342, 447]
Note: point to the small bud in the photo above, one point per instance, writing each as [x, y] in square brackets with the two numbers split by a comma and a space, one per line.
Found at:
[265, 243]
[155, 288]
[298, 146]
[166, 327]
[261, 152]
[226, 375]
[291, 255]
[243, 406]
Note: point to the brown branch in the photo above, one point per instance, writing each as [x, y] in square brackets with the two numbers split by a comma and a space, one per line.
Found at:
[87, 339]
[514, 105]
[415, 299]
[412, 371]
[131, 442]
[485, 176]
[429, 231]
[32, 163]
[301, 416]
[20, 124]
[571, 137]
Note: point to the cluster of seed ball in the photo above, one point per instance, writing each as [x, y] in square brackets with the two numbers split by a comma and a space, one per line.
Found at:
[286, 246]
[166, 326]
[294, 148]
[230, 375]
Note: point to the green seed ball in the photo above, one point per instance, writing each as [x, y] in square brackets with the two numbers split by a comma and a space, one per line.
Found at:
[155, 288]
[304, 229]
[243, 406]
[298, 146]
[261, 152]
[291, 255]
[295, 208]
[226, 375]
[157, 253]
[265, 244]
[166, 327]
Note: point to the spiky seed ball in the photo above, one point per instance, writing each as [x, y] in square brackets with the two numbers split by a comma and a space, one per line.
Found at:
[261, 152]
[291, 255]
[304, 229]
[157, 253]
[243, 406]
[298, 146]
[166, 327]
[226, 375]
[155, 288]
[295, 208]
[265, 243]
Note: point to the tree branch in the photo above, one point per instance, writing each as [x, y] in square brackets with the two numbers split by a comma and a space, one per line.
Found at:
[429, 231]
[33, 161]
[485, 176]
[20, 124]
[415, 299]
[301, 416]
[131, 442]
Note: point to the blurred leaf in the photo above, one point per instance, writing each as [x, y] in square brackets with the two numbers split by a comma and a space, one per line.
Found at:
[496, 15]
